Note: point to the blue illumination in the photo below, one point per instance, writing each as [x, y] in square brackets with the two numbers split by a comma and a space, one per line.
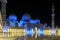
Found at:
[26, 17]
[45, 25]
[29, 32]
[25, 26]
[34, 21]
[12, 17]
[12, 24]
[41, 32]
[5, 29]
[12, 20]
[21, 23]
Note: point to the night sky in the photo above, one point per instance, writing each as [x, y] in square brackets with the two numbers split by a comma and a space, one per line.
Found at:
[37, 9]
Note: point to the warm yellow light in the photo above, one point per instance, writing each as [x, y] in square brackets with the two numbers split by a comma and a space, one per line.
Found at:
[58, 32]
[16, 32]
[47, 32]
[0, 22]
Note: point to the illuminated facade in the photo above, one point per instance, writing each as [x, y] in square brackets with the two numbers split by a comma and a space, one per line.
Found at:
[12, 19]
[26, 27]
[16, 31]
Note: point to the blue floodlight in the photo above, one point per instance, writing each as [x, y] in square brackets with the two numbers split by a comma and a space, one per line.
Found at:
[12, 24]
[45, 25]
[29, 32]
[5, 29]
[34, 21]
[21, 23]
[12, 20]
[41, 32]
[26, 17]
[12, 17]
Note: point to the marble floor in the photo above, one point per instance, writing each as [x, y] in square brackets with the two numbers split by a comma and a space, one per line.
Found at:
[4, 36]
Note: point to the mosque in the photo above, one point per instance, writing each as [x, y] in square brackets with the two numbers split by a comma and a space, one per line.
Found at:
[26, 26]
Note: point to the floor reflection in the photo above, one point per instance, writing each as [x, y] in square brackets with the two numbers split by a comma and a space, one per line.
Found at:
[4, 36]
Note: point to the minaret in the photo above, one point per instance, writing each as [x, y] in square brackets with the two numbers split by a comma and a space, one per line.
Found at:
[0, 22]
[53, 15]
[3, 5]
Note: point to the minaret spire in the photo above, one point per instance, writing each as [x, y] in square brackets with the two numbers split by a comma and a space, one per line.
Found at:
[3, 9]
[53, 8]
[53, 15]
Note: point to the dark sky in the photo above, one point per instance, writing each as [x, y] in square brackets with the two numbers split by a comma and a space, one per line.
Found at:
[39, 9]
[0, 5]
